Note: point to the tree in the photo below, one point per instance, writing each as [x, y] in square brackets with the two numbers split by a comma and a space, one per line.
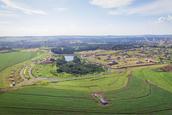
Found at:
[76, 59]
[61, 61]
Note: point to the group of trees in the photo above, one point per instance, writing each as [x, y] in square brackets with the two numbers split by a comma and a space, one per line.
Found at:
[61, 61]
[63, 50]
[73, 48]
[86, 47]
[76, 66]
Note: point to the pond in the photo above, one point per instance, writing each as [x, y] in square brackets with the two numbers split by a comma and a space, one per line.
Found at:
[69, 57]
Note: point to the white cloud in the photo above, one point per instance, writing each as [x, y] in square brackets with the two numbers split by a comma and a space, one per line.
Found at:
[157, 7]
[13, 6]
[118, 12]
[4, 22]
[111, 3]
[7, 13]
[61, 9]
[164, 19]
[124, 7]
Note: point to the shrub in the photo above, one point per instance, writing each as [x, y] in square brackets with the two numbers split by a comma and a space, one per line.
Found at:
[167, 68]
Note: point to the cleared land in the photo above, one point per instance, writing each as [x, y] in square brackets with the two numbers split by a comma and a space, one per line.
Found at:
[143, 90]
[9, 59]
[132, 94]
[10, 65]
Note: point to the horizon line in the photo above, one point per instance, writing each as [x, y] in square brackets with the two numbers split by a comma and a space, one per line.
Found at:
[87, 35]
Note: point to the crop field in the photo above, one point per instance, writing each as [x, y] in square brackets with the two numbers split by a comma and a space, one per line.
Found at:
[12, 58]
[127, 93]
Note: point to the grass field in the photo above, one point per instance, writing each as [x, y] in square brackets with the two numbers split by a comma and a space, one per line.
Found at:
[136, 93]
[141, 90]
[160, 79]
[10, 60]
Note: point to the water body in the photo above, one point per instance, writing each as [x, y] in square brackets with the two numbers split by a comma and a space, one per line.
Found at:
[69, 57]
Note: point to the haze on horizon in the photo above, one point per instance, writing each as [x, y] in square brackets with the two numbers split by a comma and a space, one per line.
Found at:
[85, 17]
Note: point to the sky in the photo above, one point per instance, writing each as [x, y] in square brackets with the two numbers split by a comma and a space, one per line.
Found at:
[85, 17]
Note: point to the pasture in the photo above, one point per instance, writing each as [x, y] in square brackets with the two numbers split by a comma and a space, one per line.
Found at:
[131, 92]
[12, 58]
[9, 62]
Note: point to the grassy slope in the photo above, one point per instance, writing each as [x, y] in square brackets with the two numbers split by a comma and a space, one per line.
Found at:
[10, 59]
[48, 71]
[102, 83]
[59, 96]
[41, 70]
[74, 97]
[160, 79]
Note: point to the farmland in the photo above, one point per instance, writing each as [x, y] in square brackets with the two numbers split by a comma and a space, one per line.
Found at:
[9, 59]
[42, 90]
[134, 95]
[9, 62]
[85, 57]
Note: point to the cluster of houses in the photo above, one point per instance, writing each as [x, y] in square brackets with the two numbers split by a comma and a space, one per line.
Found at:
[48, 60]
[140, 56]
[150, 60]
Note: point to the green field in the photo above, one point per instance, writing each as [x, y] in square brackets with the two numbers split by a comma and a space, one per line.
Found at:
[8, 62]
[160, 79]
[9, 59]
[143, 90]
[136, 93]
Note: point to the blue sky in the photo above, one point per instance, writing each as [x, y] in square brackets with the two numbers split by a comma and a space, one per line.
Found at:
[85, 17]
